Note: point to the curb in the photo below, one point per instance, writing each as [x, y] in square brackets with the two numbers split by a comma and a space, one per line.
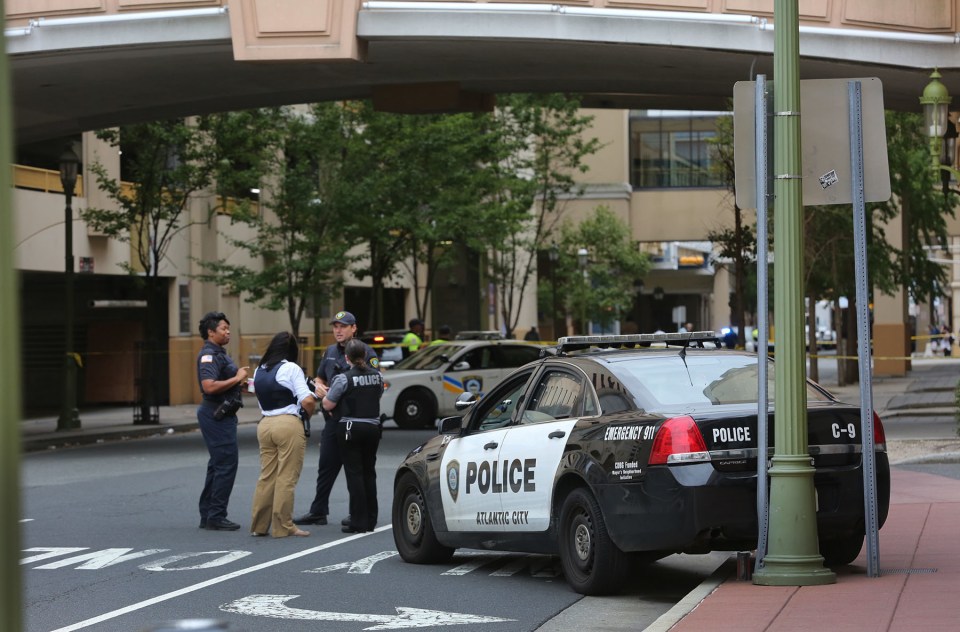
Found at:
[49, 442]
[693, 598]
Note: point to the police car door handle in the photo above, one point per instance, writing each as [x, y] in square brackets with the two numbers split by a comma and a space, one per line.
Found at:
[556, 434]
[491, 445]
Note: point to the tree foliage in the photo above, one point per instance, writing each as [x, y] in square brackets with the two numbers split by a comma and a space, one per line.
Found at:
[167, 162]
[540, 147]
[603, 289]
[300, 241]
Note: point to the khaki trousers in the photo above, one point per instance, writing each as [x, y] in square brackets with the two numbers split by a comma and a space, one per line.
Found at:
[282, 446]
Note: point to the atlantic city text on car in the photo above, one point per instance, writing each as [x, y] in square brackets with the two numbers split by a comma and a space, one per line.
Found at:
[611, 457]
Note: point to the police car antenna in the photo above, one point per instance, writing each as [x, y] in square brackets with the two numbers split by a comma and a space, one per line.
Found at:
[679, 339]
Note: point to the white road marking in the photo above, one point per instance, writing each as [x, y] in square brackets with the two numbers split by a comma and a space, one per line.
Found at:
[100, 559]
[225, 558]
[27, 520]
[211, 582]
[513, 566]
[474, 561]
[361, 566]
[51, 551]
[274, 606]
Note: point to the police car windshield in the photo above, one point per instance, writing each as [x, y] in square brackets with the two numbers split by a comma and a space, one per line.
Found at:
[428, 358]
[666, 382]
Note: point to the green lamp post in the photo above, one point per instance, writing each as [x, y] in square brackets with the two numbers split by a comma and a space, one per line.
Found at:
[69, 416]
[935, 101]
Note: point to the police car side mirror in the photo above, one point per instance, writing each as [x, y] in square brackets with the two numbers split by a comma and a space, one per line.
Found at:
[450, 425]
[465, 401]
[462, 365]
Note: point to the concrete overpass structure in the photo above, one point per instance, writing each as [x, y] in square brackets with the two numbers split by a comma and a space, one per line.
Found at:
[86, 64]
[80, 65]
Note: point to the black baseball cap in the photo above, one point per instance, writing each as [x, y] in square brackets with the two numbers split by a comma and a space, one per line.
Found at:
[344, 318]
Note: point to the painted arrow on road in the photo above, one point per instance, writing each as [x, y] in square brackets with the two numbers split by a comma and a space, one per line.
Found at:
[274, 606]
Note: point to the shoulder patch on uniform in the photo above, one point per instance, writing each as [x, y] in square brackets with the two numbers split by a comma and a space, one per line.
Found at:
[375, 363]
[206, 358]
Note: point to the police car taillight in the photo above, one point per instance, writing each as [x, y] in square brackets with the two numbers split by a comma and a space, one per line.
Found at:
[879, 436]
[678, 441]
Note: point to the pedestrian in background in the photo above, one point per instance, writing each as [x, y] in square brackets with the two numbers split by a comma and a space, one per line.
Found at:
[443, 334]
[354, 396]
[413, 338]
[220, 382]
[333, 363]
[282, 393]
[533, 335]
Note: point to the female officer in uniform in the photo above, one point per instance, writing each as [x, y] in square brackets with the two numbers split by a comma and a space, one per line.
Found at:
[356, 397]
[281, 392]
[220, 381]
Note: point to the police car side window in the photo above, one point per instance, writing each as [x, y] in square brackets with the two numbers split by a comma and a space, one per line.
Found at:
[556, 396]
[496, 409]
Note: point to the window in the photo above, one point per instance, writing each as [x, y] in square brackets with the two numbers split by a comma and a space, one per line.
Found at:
[670, 152]
[510, 357]
[555, 397]
[496, 410]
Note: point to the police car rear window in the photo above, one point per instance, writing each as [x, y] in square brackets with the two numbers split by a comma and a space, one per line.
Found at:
[697, 381]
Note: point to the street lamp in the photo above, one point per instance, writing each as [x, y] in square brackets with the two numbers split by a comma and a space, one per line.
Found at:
[935, 101]
[554, 255]
[582, 257]
[69, 415]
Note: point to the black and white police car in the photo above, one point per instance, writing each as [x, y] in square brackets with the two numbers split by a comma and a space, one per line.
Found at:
[612, 457]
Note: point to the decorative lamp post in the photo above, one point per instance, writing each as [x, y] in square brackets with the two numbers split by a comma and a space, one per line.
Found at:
[583, 256]
[554, 255]
[935, 101]
[69, 415]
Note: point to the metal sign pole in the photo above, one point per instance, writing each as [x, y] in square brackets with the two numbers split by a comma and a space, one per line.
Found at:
[762, 152]
[863, 332]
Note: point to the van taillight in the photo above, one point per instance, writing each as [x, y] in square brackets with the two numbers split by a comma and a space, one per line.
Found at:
[378, 339]
[879, 436]
[678, 441]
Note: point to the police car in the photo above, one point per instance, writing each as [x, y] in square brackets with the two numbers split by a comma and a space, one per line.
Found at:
[611, 457]
[426, 385]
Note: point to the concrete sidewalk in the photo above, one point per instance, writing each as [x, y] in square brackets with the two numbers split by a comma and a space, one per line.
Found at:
[916, 591]
[116, 423]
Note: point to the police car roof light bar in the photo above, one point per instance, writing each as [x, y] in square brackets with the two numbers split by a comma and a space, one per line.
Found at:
[680, 338]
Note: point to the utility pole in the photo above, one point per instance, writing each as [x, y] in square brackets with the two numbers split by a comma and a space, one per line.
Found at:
[793, 554]
[10, 413]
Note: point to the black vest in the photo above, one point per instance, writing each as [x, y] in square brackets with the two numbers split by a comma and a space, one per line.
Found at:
[361, 399]
[271, 394]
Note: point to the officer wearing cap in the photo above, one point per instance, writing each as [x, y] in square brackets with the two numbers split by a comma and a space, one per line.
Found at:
[414, 338]
[333, 363]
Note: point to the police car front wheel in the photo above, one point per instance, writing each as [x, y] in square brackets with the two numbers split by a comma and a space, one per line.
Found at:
[415, 408]
[592, 563]
[412, 530]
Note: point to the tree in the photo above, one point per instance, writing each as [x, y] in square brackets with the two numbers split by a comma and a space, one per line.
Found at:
[167, 162]
[736, 245]
[604, 289]
[539, 148]
[415, 181]
[300, 240]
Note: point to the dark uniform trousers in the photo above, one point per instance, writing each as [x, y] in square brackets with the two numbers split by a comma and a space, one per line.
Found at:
[221, 439]
[328, 469]
[359, 454]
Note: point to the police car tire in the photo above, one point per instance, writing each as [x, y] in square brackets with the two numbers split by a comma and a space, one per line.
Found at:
[415, 408]
[592, 563]
[412, 530]
[841, 551]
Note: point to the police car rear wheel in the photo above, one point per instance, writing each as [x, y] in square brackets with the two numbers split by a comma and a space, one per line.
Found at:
[842, 551]
[592, 563]
[415, 408]
[412, 530]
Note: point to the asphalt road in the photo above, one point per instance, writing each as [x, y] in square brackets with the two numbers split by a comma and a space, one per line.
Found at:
[111, 543]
